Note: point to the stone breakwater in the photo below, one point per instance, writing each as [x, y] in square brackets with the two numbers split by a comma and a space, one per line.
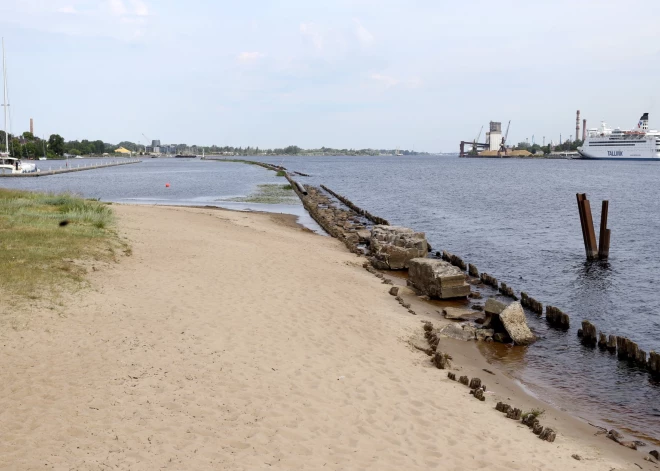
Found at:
[397, 248]
[276, 168]
[349, 203]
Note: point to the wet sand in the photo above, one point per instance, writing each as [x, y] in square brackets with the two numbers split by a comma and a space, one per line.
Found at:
[233, 340]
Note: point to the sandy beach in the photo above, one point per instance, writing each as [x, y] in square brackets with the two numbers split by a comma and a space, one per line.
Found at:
[240, 341]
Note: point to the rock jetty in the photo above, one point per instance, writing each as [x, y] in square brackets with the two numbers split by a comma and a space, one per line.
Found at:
[437, 279]
[393, 247]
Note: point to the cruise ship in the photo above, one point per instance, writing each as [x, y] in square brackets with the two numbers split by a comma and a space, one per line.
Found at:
[614, 144]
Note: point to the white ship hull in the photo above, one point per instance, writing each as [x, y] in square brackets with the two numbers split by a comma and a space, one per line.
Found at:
[615, 144]
[617, 154]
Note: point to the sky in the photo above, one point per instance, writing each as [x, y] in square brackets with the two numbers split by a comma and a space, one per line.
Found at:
[414, 74]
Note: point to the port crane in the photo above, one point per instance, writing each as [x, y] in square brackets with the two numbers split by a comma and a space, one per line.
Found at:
[504, 138]
[145, 145]
[474, 143]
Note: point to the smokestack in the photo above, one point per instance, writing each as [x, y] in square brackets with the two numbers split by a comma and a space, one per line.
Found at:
[31, 126]
[584, 130]
[577, 125]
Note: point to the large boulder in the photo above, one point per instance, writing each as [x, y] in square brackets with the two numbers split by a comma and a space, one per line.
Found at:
[493, 309]
[514, 321]
[437, 279]
[393, 247]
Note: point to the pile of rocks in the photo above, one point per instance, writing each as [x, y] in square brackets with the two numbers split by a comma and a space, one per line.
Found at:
[345, 225]
[508, 322]
[437, 279]
[393, 247]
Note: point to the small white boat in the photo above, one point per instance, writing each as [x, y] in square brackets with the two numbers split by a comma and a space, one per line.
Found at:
[43, 158]
[12, 165]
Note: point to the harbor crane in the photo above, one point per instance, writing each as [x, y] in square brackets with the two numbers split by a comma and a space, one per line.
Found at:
[145, 145]
[474, 144]
[504, 138]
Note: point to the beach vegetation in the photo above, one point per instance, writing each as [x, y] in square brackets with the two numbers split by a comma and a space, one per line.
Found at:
[270, 194]
[535, 412]
[281, 173]
[48, 240]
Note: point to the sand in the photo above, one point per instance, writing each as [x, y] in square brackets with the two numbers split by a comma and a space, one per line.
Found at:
[238, 341]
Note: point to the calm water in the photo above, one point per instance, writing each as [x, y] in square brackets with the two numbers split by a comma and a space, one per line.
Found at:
[514, 219]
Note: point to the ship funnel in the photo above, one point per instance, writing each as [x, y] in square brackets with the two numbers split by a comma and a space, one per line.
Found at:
[644, 121]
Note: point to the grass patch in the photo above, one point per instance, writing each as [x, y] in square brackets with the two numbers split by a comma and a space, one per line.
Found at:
[46, 239]
[281, 173]
[535, 412]
[271, 194]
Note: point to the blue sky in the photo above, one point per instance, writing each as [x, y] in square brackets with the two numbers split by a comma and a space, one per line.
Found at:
[344, 73]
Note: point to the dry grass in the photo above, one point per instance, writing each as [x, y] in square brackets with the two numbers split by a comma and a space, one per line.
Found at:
[47, 240]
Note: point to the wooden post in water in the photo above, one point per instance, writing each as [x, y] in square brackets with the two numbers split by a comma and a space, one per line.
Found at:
[587, 222]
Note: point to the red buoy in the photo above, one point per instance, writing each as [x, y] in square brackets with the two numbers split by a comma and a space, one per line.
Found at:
[167, 185]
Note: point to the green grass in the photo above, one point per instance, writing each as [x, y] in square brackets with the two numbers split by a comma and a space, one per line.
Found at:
[281, 173]
[535, 412]
[271, 194]
[40, 257]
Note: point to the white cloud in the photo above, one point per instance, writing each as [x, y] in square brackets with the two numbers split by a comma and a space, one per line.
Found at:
[385, 80]
[117, 7]
[362, 33]
[246, 57]
[314, 33]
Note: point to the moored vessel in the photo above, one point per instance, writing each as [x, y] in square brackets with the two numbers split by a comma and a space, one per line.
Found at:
[605, 143]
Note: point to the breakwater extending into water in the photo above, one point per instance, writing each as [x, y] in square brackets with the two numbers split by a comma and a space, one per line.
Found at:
[555, 319]
[514, 220]
[70, 168]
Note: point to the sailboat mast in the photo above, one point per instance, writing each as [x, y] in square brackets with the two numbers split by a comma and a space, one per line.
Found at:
[4, 81]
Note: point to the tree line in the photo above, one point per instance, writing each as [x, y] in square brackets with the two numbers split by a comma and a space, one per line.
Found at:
[28, 145]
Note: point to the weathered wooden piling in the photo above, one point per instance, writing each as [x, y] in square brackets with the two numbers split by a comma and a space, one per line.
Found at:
[611, 343]
[489, 280]
[589, 337]
[654, 364]
[454, 260]
[357, 209]
[473, 271]
[507, 291]
[557, 318]
[602, 341]
[530, 303]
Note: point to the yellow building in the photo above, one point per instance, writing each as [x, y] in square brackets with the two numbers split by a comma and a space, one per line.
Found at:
[121, 150]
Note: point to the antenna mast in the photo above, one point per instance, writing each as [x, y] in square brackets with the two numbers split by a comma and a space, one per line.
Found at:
[4, 81]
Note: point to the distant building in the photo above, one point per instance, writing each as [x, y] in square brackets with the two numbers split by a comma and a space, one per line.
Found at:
[122, 150]
[155, 143]
[494, 136]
